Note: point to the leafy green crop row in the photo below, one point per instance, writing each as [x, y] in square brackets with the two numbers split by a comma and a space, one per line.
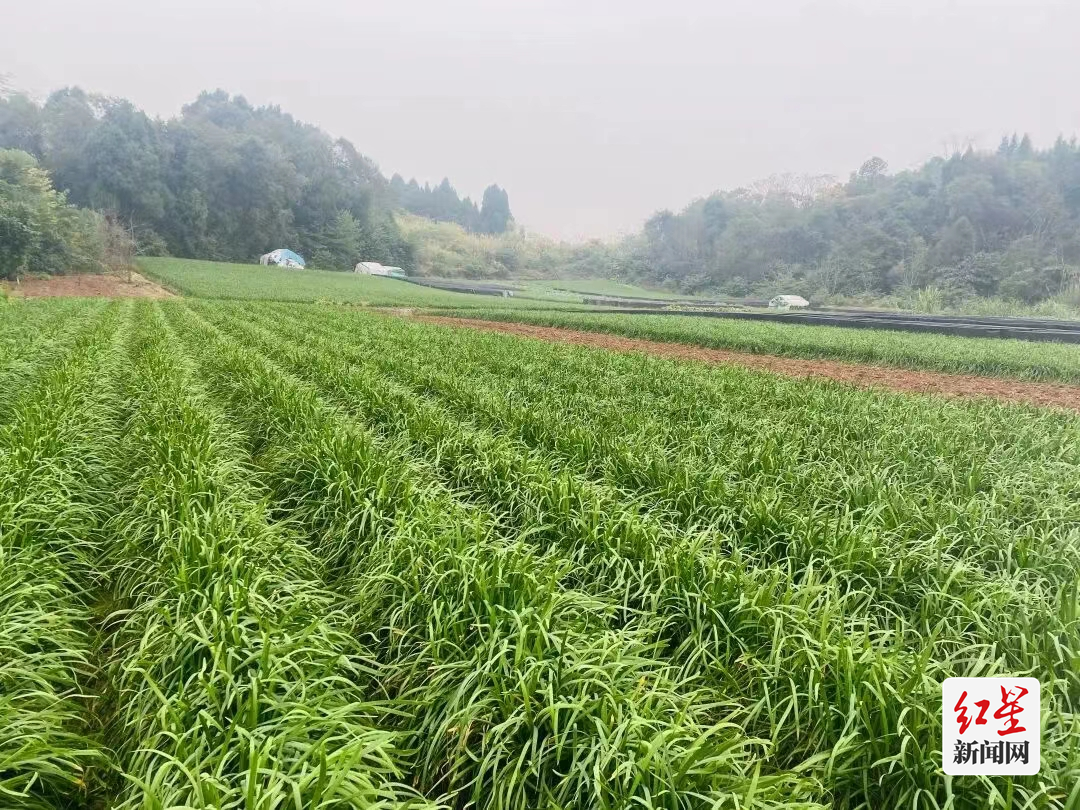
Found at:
[54, 458]
[988, 356]
[231, 661]
[261, 556]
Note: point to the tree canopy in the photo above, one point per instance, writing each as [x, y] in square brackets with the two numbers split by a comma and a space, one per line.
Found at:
[1003, 223]
[39, 231]
[976, 224]
[228, 181]
[224, 180]
[442, 204]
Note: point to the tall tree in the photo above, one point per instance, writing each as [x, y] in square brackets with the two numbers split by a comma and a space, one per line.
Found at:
[441, 203]
[21, 125]
[494, 210]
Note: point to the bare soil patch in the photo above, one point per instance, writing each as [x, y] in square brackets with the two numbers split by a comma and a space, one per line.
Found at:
[86, 285]
[1048, 394]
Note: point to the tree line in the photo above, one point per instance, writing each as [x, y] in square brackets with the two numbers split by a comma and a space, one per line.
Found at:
[228, 181]
[224, 180]
[1000, 223]
[442, 204]
[447, 249]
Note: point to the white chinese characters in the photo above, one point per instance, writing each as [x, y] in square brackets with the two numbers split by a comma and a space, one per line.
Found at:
[990, 726]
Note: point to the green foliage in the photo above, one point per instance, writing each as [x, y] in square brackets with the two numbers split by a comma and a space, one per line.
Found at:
[21, 125]
[341, 243]
[17, 237]
[228, 181]
[55, 443]
[442, 204]
[39, 232]
[446, 250]
[229, 656]
[765, 558]
[964, 224]
[495, 214]
[299, 556]
[224, 180]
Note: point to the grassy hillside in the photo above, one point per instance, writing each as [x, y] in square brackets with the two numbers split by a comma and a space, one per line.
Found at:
[448, 250]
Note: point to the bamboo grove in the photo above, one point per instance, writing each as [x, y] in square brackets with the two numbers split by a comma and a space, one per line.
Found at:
[286, 557]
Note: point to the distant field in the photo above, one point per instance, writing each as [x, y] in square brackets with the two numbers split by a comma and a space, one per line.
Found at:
[988, 356]
[603, 286]
[202, 279]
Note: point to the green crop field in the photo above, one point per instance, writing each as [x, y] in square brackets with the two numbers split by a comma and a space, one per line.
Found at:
[988, 356]
[288, 556]
[601, 286]
[203, 279]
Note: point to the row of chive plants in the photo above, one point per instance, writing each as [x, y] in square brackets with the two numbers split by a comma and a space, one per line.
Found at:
[56, 445]
[1011, 604]
[990, 356]
[526, 691]
[345, 554]
[620, 549]
[237, 679]
[702, 460]
[33, 339]
[623, 546]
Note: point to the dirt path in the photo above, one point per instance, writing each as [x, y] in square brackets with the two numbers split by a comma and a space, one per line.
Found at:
[1048, 394]
[87, 285]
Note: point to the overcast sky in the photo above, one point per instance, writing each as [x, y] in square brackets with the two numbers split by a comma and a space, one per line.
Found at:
[593, 114]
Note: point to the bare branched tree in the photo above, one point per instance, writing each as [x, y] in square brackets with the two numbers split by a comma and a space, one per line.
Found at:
[798, 189]
[119, 247]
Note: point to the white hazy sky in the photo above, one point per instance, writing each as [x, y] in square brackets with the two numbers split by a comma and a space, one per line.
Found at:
[591, 113]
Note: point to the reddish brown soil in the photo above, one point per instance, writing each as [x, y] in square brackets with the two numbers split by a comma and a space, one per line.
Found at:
[864, 376]
[85, 285]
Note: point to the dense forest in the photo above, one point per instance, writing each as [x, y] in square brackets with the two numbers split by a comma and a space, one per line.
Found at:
[977, 224]
[224, 180]
[1003, 224]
